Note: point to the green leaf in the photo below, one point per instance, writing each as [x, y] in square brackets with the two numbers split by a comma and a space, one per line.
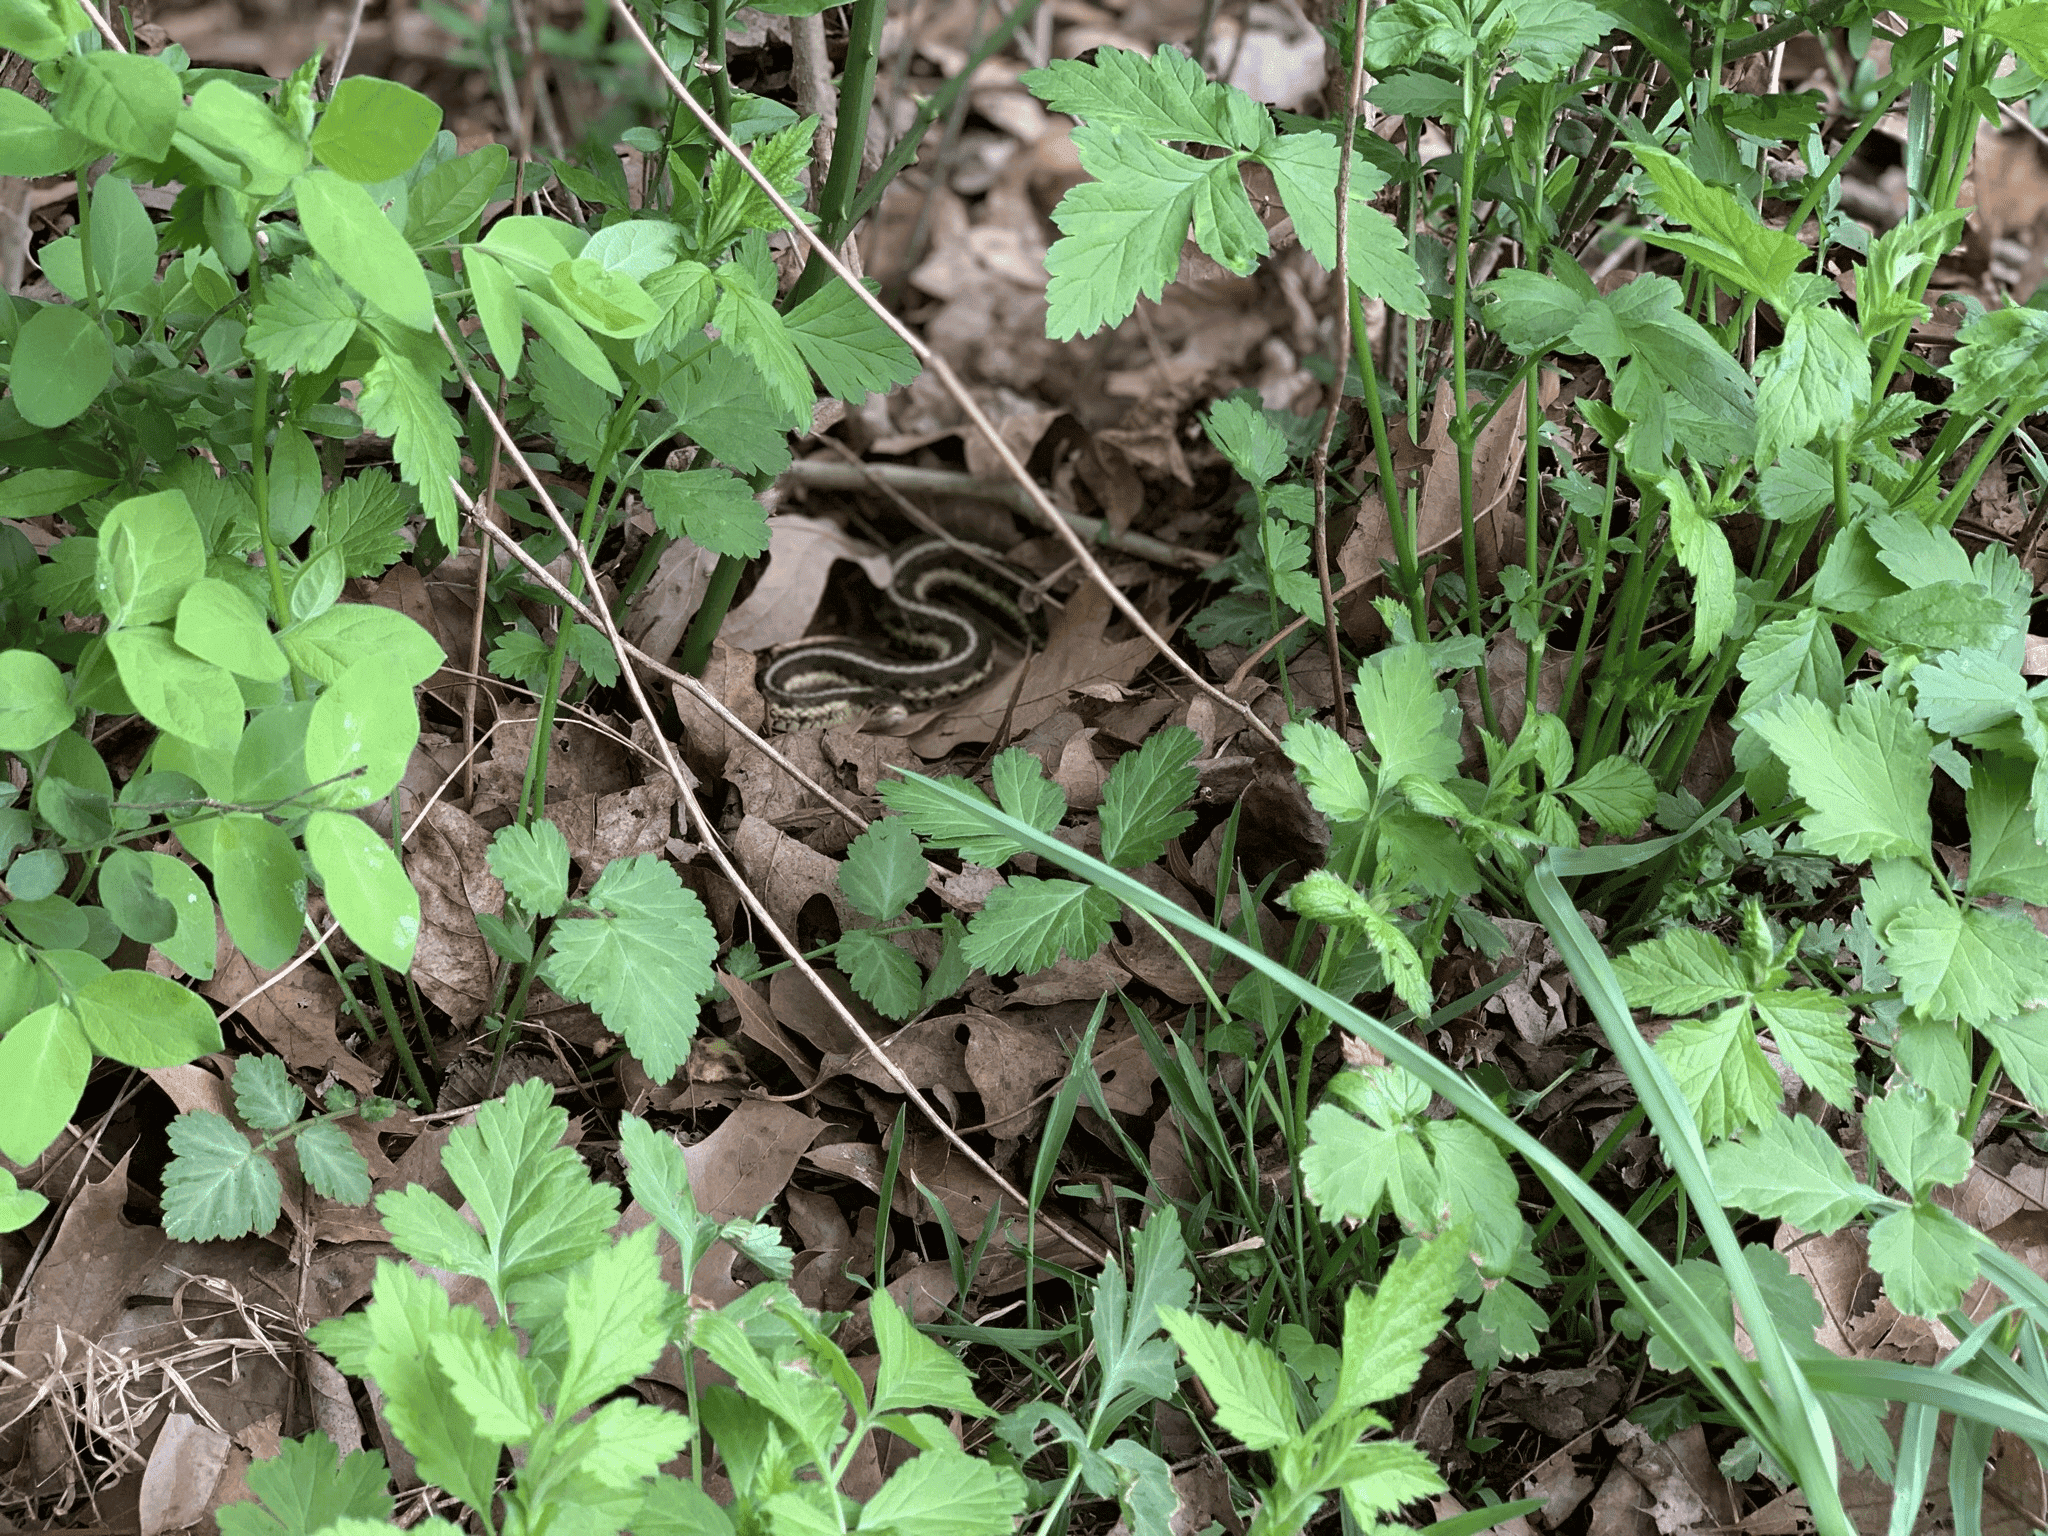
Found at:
[1386, 1474]
[915, 1372]
[305, 319]
[1790, 1169]
[1702, 549]
[34, 705]
[141, 1019]
[362, 518]
[1346, 1162]
[327, 646]
[217, 1185]
[1121, 233]
[401, 400]
[39, 31]
[350, 233]
[44, 1060]
[884, 869]
[945, 1493]
[1506, 1325]
[361, 735]
[123, 243]
[1682, 971]
[1385, 1335]
[642, 962]
[752, 326]
[1126, 1318]
[851, 351]
[1728, 239]
[532, 862]
[1328, 769]
[614, 1314]
[487, 1377]
[1029, 923]
[61, 362]
[497, 307]
[569, 339]
[366, 887]
[1915, 1138]
[1167, 96]
[373, 130]
[238, 141]
[265, 1096]
[331, 1162]
[127, 889]
[539, 1209]
[176, 691]
[1927, 1257]
[1721, 1070]
[1864, 772]
[1247, 1382]
[217, 623]
[1617, 792]
[601, 300]
[40, 492]
[1811, 1029]
[1969, 963]
[1813, 384]
[2005, 858]
[126, 101]
[307, 1486]
[882, 973]
[1142, 796]
[714, 507]
[1379, 265]
[261, 888]
[1411, 723]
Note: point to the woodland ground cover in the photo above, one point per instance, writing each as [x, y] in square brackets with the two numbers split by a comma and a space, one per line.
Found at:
[1473, 961]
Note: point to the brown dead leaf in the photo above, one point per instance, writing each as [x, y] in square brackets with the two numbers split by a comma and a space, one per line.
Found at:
[744, 1164]
[707, 739]
[98, 1259]
[1008, 1060]
[297, 1017]
[446, 862]
[786, 873]
[801, 551]
[178, 1484]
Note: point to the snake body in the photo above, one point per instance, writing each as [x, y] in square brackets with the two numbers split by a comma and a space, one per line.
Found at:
[944, 609]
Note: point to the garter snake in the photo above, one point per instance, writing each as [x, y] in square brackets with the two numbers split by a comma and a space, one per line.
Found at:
[944, 609]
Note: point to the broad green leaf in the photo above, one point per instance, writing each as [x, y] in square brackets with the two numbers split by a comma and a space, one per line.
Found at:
[1477, 1186]
[626, 1442]
[1682, 971]
[361, 735]
[1967, 963]
[235, 137]
[533, 865]
[44, 1059]
[1796, 655]
[1811, 1029]
[1617, 792]
[305, 319]
[307, 1486]
[39, 31]
[1966, 691]
[61, 362]
[752, 326]
[1915, 1138]
[1927, 1257]
[123, 242]
[261, 888]
[350, 233]
[150, 551]
[1347, 1161]
[1167, 96]
[852, 352]
[40, 492]
[915, 1372]
[1029, 924]
[714, 507]
[884, 870]
[126, 101]
[127, 889]
[34, 704]
[1143, 796]
[327, 646]
[1328, 769]
[1243, 434]
[265, 1096]
[217, 1185]
[606, 302]
[1702, 549]
[366, 887]
[567, 338]
[1383, 1475]
[176, 691]
[637, 247]
[642, 962]
[1121, 233]
[450, 197]
[494, 1387]
[144, 1020]
[1379, 264]
[2005, 858]
[945, 1493]
[361, 518]
[1789, 1169]
[373, 130]
[332, 1164]
[1727, 238]
[1721, 1070]
[1246, 1381]
[1813, 384]
[1863, 771]
[218, 623]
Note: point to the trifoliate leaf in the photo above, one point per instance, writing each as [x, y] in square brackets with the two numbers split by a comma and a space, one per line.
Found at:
[642, 962]
[1967, 963]
[1915, 1138]
[1506, 1325]
[1721, 1070]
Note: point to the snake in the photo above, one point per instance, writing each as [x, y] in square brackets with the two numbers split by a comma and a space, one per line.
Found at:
[945, 606]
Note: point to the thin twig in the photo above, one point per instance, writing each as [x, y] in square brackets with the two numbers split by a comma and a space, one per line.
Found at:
[707, 834]
[348, 44]
[1041, 504]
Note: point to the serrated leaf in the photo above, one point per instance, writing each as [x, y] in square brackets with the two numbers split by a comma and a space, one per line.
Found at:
[1126, 1318]
[1682, 971]
[1385, 1334]
[1721, 1070]
[487, 1377]
[625, 1442]
[2005, 857]
[1023, 790]
[712, 506]
[1167, 96]
[332, 1164]
[307, 1486]
[217, 1185]
[1967, 963]
[1916, 1140]
[1030, 923]
[265, 1095]
[1143, 796]
[945, 1493]
[1788, 1168]
[1246, 1381]
[614, 1314]
[1411, 723]
[1328, 770]
[1927, 1257]
[915, 1372]
[532, 863]
[1120, 235]
[1863, 771]
[361, 517]
[941, 823]
[884, 869]
[851, 351]
[1617, 792]
[642, 962]
[401, 400]
[1811, 1030]
[305, 319]
[882, 973]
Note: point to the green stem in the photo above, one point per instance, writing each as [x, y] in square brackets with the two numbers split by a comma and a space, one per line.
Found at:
[396, 1026]
[710, 615]
[1464, 432]
[714, 54]
[1400, 527]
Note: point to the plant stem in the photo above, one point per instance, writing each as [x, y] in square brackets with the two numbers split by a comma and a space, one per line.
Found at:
[395, 1025]
[1464, 433]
